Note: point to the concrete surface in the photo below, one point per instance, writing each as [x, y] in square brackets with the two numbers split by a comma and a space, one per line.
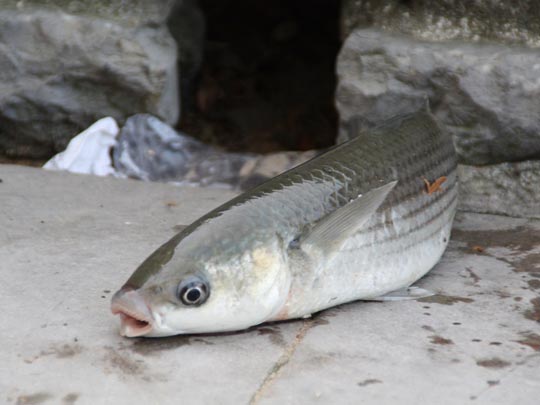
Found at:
[68, 241]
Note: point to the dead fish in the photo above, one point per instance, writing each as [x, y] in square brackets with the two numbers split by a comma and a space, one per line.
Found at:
[366, 218]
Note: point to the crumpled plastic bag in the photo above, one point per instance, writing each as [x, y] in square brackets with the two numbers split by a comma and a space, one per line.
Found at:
[89, 152]
[149, 149]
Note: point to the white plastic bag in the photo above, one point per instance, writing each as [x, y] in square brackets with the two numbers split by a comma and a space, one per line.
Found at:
[90, 151]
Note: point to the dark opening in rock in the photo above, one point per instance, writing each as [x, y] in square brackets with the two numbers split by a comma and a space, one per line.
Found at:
[267, 77]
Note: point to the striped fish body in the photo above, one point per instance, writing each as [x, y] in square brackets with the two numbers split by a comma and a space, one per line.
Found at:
[276, 231]
[400, 243]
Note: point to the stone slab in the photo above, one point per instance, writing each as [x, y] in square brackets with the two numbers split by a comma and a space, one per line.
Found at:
[68, 241]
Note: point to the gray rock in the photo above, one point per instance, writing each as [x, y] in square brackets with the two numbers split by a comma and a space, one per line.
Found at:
[126, 12]
[487, 95]
[64, 66]
[511, 189]
[511, 21]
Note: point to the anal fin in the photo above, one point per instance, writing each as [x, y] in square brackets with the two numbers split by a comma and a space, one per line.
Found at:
[404, 294]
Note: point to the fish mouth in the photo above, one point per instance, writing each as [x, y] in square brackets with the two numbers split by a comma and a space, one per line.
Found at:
[135, 317]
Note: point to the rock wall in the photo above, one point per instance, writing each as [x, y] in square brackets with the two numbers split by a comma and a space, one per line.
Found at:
[478, 64]
[508, 21]
[64, 64]
[487, 95]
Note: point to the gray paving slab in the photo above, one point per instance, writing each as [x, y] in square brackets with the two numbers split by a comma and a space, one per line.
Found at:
[68, 241]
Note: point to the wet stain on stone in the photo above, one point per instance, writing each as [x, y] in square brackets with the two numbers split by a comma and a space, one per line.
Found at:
[33, 399]
[123, 363]
[473, 275]
[445, 299]
[274, 334]
[439, 340]
[64, 351]
[152, 346]
[521, 239]
[493, 362]
[534, 313]
[369, 381]
[528, 264]
[70, 398]
[534, 284]
[530, 339]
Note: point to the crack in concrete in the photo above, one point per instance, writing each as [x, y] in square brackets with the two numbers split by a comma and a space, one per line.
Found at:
[281, 362]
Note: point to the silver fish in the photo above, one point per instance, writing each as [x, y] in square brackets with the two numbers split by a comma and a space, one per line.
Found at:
[367, 218]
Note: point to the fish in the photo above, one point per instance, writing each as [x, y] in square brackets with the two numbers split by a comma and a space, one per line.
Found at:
[362, 221]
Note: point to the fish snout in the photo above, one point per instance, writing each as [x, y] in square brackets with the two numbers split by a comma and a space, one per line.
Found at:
[136, 318]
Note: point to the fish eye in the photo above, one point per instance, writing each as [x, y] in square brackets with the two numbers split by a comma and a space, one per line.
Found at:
[193, 291]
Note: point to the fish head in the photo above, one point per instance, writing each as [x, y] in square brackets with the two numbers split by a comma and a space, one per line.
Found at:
[176, 291]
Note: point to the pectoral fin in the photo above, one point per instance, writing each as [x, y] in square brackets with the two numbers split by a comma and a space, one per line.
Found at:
[329, 234]
[404, 294]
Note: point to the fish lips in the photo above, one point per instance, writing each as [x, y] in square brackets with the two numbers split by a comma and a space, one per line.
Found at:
[135, 315]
